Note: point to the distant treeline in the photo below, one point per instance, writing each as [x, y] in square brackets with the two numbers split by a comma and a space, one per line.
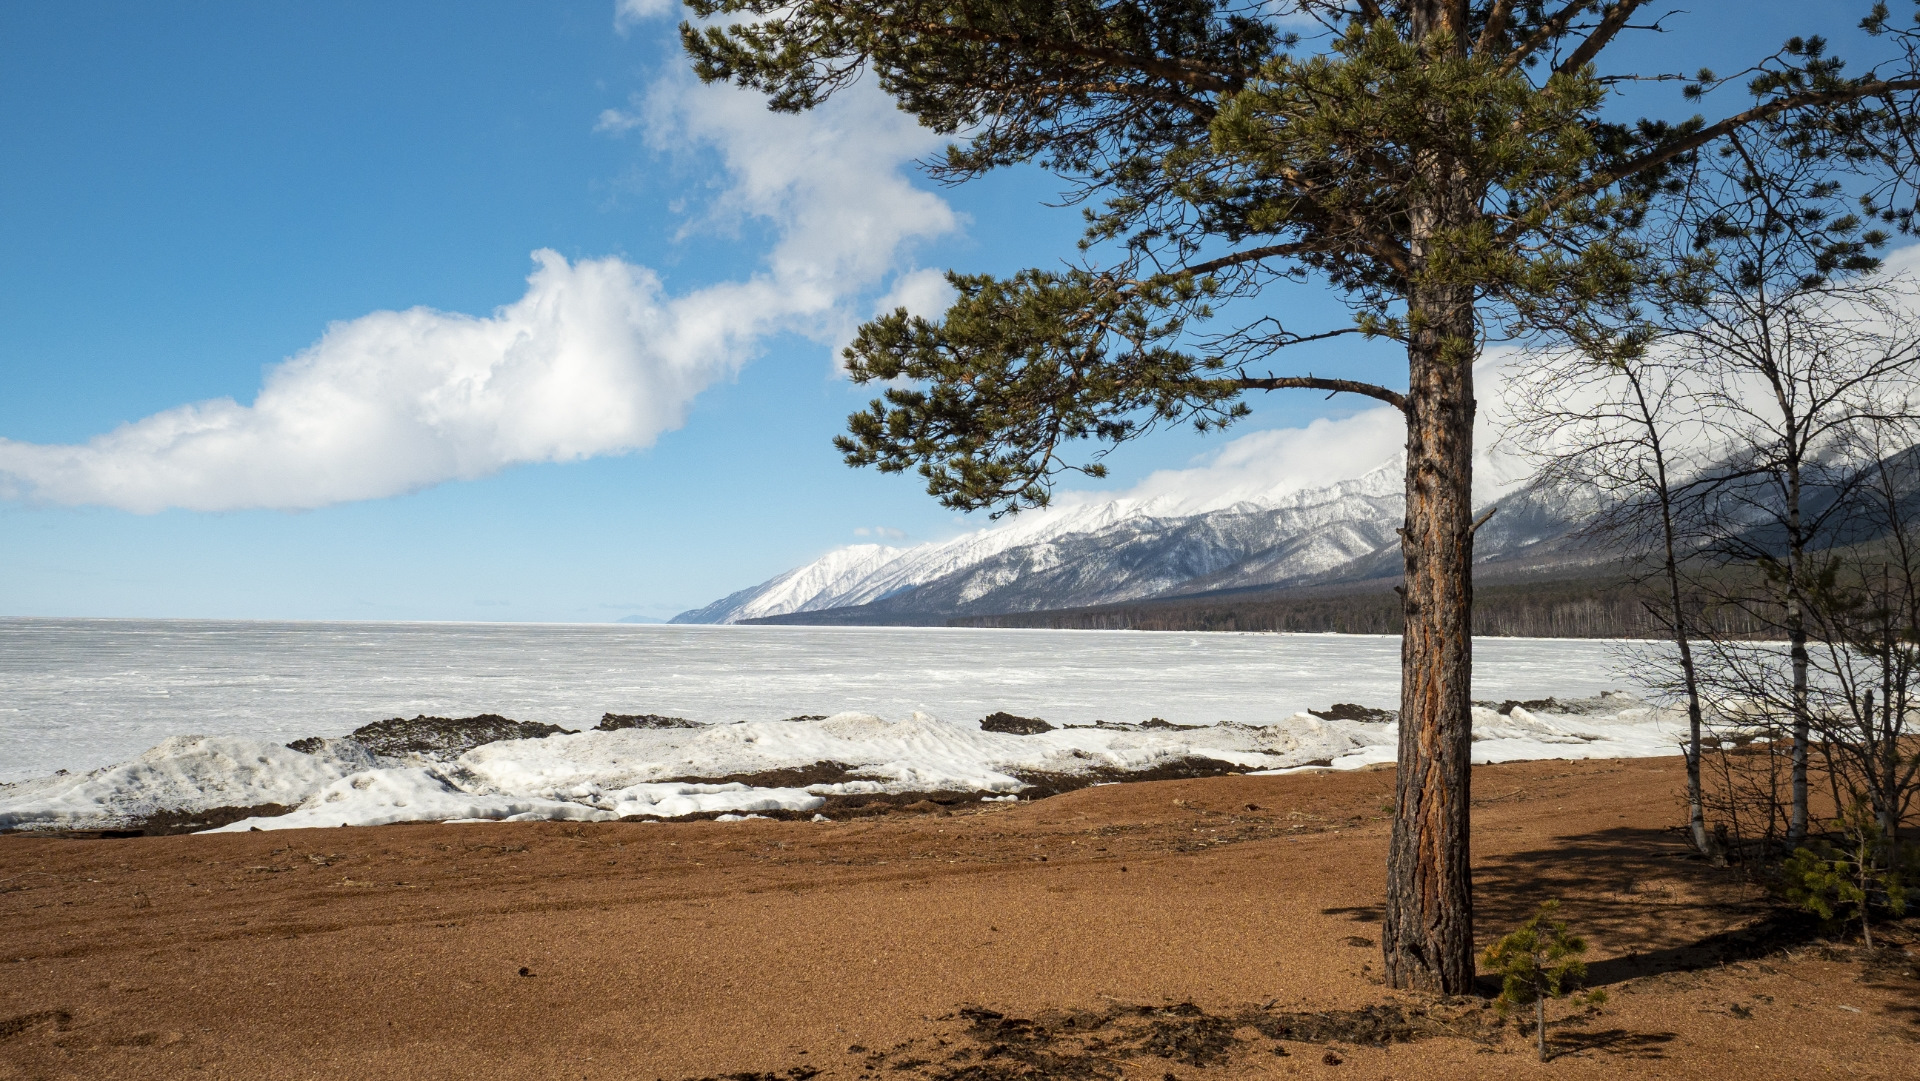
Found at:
[1580, 608]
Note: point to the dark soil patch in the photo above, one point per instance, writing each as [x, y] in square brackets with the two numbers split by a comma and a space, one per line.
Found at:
[1108, 1044]
[797, 1073]
[824, 771]
[169, 823]
[1008, 724]
[882, 803]
[1378, 1026]
[446, 736]
[1349, 711]
[14, 1026]
[614, 722]
[1187, 1034]
[1551, 705]
[1052, 784]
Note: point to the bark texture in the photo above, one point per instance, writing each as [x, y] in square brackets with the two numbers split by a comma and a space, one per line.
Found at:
[1428, 932]
[1427, 937]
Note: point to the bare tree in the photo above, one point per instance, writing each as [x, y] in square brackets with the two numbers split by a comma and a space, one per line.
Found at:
[1789, 343]
[1865, 617]
[1615, 423]
[1716, 416]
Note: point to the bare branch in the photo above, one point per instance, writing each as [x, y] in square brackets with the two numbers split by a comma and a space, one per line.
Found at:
[1336, 386]
[1549, 30]
[1663, 154]
[1610, 24]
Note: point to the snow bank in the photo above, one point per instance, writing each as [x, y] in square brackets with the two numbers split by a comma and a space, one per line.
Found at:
[761, 766]
[918, 754]
[381, 797]
[674, 800]
[1611, 725]
[183, 773]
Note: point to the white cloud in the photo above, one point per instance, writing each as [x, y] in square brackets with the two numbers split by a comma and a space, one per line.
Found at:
[627, 13]
[884, 532]
[922, 292]
[617, 122]
[833, 179]
[596, 358]
[1263, 466]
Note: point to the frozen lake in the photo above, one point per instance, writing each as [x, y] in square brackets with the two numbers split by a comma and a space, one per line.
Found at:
[76, 693]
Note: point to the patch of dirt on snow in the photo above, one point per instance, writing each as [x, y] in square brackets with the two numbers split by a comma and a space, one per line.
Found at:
[1349, 711]
[1046, 784]
[447, 737]
[825, 771]
[614, 722]
[1008, 724]
[168, 823]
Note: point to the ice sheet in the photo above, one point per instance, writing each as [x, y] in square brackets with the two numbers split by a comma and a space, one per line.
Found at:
[78, 694]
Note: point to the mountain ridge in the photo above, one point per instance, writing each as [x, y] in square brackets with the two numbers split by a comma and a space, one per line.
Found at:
[1116, 550]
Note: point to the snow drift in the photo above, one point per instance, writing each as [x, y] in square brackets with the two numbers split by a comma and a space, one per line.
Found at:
[757, 766]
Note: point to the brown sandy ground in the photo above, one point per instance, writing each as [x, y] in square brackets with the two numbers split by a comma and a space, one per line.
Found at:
[1194, 929]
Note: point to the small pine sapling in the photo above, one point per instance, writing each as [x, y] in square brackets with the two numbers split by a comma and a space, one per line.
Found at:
[1538, 961]
[1843, 883]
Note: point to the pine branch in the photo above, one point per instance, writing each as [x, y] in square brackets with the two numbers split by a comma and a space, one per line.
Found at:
[1336, 386]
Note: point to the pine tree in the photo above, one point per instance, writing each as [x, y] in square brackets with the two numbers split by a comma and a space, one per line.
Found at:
[1445, 165]
[1535, 963]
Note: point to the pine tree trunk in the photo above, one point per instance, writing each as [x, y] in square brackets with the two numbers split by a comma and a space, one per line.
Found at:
[1540, 1024]
[1427, 938]
[1428, 932]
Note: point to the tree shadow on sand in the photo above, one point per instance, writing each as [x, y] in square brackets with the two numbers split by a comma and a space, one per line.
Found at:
[1648, 903]
[1617, 1042]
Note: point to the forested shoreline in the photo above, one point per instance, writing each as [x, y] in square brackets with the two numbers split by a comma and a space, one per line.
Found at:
[1583, 608]
[1603, 607]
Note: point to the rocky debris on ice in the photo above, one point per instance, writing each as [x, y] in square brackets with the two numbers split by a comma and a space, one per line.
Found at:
[1348, 711]
[439, 738]
[1014, 726]
[614, 722]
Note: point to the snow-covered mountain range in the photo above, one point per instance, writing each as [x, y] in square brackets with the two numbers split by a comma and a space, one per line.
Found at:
[1101, 551]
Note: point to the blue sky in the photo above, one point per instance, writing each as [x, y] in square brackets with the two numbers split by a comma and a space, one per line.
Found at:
[196, 193]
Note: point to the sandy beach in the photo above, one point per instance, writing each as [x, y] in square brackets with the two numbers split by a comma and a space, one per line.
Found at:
[1218, 927]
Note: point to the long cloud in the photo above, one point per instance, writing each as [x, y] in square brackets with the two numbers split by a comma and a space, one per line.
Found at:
[598, 357]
